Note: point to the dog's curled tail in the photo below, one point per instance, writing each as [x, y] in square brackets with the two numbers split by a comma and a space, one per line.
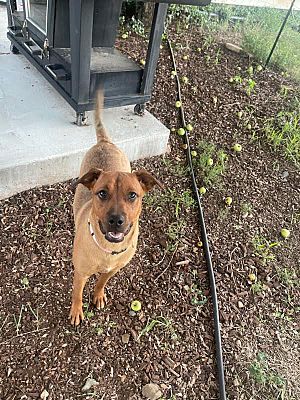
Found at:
[101, 133]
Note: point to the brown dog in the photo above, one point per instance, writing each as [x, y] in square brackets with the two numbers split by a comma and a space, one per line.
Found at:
[106, 209]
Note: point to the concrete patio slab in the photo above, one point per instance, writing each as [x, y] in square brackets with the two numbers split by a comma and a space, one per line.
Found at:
[39, 142]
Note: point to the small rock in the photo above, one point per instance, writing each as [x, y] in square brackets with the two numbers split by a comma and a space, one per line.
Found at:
[132, 313]
[125, 338]
[44, 394]
[9, 371]
[236, 382]
[284, 175]
[233, 47]
[89, 383]
[151, 391]
[240, 304]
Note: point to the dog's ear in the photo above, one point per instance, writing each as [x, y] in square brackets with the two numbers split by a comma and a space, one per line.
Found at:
[90, 178]
[147, 181]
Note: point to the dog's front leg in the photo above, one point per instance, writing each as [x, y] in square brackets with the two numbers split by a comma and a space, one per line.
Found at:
[99, 299]
[76, 313]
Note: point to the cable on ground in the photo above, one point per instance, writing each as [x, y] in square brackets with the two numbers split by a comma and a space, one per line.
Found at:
[219, 357]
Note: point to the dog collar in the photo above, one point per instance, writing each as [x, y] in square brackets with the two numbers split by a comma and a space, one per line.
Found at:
[113, 253]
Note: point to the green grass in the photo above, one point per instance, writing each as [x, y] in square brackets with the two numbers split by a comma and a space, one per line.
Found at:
[257, 287]
[283, 133]
[209, 175]
[262, 374]
[257, 33]
[288, 276]
[260, 33]
[161, 322]
[246, 208]
[263, 249]
[176, 201]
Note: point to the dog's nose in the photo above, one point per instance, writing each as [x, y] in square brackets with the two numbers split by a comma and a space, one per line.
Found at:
[116, 220]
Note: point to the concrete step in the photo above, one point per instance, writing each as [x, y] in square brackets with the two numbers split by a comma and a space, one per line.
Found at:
[39, 142]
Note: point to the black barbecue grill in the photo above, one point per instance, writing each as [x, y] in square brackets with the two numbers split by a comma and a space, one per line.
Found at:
[72, 43]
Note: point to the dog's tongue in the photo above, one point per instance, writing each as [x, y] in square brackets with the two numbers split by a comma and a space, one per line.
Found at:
[116, 235]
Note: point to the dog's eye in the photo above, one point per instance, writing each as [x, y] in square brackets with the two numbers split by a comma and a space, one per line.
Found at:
[132, 196]
[103, 194]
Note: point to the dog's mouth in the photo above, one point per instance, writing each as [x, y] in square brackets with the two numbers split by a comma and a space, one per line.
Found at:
[114, 237]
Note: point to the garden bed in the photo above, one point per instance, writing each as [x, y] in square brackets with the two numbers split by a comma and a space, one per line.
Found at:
[257, 271]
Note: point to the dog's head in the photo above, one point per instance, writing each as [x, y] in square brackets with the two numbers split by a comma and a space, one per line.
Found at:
[117, 199]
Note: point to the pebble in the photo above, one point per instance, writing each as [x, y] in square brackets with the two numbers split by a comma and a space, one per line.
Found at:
[240, 304]
[44, 394]
[233, 47]
[125, 338]
[151, 391]
[89, 383]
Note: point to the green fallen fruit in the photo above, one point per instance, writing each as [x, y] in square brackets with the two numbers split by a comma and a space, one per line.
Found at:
[240, 114]
[173, 73]
[143, 62]
[173, 129]
[285, 233]
[185, 57]
[210, 162]
[237, 147]
[124, 36]
[199, 49]
[185, 79]
[136, 305]
[181, 131]
[178, 104]
[193, 153]
[249, 126]
[189, 127]
[228, 201]
[259, 68]
[202, 190]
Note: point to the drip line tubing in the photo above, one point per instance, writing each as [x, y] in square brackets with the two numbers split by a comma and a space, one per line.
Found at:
[217, 331]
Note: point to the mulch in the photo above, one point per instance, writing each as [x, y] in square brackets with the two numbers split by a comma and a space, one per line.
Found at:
[41, 354]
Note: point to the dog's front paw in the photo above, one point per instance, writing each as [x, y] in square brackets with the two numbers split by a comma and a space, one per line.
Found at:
[99, 299]
[76, 314]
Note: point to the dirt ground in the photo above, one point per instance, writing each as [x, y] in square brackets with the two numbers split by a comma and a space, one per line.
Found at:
[42, 356]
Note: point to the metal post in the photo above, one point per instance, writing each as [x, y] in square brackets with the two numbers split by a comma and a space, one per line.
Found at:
[279, 33]
[11, 8]
[157, 29]
[81, 24]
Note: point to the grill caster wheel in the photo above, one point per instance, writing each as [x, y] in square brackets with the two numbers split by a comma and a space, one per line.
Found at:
[81, 119]
[139, 109]
[13, 49]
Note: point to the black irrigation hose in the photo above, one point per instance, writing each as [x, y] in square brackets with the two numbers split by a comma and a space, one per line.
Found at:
[218, 343]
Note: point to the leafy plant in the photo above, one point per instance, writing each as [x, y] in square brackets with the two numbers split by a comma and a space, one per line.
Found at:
[262, 374]
[175, 230]
[250, 85]
[283, 132]
[210, 173]
[263, 248]
[288, 276]
[257, 287]
[158, 322]
[198, 298]
[87, 312]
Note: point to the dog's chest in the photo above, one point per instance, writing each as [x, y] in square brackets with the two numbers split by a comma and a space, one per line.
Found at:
[105, 263]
